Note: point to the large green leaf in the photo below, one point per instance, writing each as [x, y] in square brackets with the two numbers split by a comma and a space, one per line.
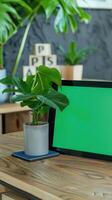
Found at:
[44, 78]
[31, 103]
[61, 21]
[51, 74]
[84, 16]
[73, 24]
[10, 18]
[54, 99]
[16, 83]
[22, 97]
[40, 84]
[22, 3]
[10, 90]
[7, 27]
[7, 81]
[65, 12]
[49, 8]
[29, 82]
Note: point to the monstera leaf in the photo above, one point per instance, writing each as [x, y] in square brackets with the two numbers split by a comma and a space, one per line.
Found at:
[65, 12]
[10, 18]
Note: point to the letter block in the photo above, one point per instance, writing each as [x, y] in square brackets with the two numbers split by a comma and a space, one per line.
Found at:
[35, 60]
[28, 70]
[43, 60]
[43, 49]
[51, 60]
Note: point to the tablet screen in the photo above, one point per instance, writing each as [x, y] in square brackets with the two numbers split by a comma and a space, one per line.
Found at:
[86, 124]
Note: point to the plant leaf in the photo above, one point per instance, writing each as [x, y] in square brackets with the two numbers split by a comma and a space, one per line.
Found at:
[22, 97]
[9, 90]
[11, 17]
[49, 7]
[51, 74]
[54, 99]
[61, 21]
[7, 81]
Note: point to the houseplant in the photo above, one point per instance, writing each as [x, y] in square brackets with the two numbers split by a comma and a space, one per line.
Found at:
[73, 59]
[65, 15]
[15, 13]
[38, 94]
[10, 21]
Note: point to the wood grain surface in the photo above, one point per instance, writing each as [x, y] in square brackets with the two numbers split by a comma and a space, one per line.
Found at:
[12, 196]
[59, 178]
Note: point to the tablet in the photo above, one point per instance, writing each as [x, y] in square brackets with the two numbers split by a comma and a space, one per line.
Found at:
[85, 126]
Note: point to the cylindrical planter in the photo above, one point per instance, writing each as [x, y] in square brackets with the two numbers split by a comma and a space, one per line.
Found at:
[3, 97]
[36, 139]
[72, 72]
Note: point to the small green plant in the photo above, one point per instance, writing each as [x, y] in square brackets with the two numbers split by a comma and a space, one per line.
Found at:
[73, 56]
[37, 91]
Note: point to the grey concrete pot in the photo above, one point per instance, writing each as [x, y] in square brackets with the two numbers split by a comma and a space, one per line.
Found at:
[36, 139]
[3, 97]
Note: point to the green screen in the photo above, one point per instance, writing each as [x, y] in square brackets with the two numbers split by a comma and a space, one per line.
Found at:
[86, 124]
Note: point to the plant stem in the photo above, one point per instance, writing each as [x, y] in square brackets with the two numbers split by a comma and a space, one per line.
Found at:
[35, 118]
[31, 18]
[22, 45]
[1, 56]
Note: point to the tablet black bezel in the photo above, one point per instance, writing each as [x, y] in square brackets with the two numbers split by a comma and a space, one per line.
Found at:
[82, 83]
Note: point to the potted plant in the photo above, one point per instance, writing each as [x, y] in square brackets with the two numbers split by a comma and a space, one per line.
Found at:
[73, 59]
[10, 21]
[38, 94]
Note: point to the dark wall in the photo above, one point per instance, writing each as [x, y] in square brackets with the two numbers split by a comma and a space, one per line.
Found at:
[96, 34]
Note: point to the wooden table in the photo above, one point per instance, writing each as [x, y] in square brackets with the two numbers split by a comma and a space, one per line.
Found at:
[59, 178]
